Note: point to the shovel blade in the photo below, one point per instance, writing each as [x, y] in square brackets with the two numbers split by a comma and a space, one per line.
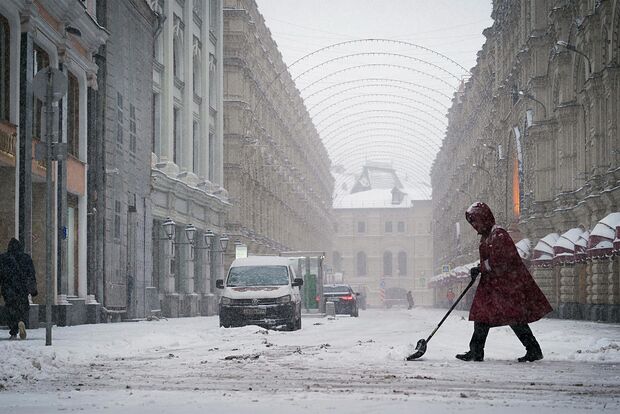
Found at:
[420, 349]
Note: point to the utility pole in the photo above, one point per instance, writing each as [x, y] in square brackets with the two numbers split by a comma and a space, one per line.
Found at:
[49, 85]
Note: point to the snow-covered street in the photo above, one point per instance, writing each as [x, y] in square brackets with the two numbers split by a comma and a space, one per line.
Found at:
[344, 365]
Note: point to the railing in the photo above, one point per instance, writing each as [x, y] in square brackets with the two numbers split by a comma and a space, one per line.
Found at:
[8, 139]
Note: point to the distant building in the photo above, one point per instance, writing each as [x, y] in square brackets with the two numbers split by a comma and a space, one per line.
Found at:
[383, 240]
[276, 169]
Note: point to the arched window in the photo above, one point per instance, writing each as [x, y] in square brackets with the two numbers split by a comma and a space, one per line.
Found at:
[402, 263]
[337, 257]
[5, 69]
[361, 264]
[387, 264]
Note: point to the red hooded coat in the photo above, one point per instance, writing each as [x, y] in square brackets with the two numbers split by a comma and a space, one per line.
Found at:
[507, 294]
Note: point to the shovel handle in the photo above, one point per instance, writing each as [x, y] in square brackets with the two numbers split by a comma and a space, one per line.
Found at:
[451, 308]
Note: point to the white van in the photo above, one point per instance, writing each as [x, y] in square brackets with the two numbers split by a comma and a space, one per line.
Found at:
[261, 290]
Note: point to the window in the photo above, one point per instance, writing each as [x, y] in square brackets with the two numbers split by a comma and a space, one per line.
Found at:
[213, 15]
[117, 219]
[388, 226]
[196, 151]
[41, 60]
[361, 264]
[73, 116]
[119, 119]
[211, 160]
[177, 49]
[196, 78]
[337, 262]
[402, 263]
[5, 69]
[361, 227]
[176, 156]
[155, 113]
[387, 264]
[401, 226]
[132, 129]
[212, 81]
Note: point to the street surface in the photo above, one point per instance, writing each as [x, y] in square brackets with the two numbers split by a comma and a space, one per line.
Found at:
[343, 365]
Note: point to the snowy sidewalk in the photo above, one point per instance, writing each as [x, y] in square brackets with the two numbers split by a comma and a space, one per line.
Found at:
[343, 365]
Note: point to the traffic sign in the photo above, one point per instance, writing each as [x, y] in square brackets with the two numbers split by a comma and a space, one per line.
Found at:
[58, 82]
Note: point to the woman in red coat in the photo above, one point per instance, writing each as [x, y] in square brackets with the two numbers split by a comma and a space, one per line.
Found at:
[506, 294]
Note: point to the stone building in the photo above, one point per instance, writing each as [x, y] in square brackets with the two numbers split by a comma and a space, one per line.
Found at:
[35, 35]
[187, 181]
[276, 167]
[534, 133]
[119, 161]
[383, 240]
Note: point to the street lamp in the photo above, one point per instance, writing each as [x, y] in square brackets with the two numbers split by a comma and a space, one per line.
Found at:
[529, 96]
[572, 48]
[208, 239]
[169, 227]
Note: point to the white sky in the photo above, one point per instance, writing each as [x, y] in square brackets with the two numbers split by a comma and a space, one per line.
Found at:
[453, 28]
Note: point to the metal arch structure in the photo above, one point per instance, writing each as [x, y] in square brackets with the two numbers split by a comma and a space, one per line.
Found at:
[383, 95]
[375, 85]
[414, 108]
[388, 111]
[414, 164]
[381, 125]
[399, 121]
[399, 55]
[368, 40]
[409, 147]
[383, 65]
[358, 158]
[393, 80]
[377, 132]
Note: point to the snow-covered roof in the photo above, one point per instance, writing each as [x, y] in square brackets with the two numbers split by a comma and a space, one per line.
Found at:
[601, 240]
[378, 198]
[524, 247]
[544, 247]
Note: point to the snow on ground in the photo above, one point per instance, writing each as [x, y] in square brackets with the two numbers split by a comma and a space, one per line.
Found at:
[344, 365]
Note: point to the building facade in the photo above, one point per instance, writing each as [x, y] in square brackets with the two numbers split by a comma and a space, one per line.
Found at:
[534, 133]
[383, 241]
[276, 167]
[187, 181]
[119, 161]
[35, 35]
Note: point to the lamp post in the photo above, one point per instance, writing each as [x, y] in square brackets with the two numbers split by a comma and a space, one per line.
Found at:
[529, 96]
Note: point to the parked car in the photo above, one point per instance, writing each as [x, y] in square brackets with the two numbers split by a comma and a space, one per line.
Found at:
[344, 298]
[263, 291]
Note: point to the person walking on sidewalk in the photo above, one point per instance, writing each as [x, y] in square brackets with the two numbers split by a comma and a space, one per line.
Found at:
[409, 300]
[17, 280]
[506, 294]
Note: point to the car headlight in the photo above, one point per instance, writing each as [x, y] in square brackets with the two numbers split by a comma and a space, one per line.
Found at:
[225, 301]
[284, 299]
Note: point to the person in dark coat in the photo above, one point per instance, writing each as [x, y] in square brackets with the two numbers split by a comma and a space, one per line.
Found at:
[409, 300]
[17, 280]
[506, 294]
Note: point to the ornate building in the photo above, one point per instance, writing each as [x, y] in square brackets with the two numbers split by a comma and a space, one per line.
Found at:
[35, 35]
[383, 240]
[188, 199]
[534, 133]
[276, 167]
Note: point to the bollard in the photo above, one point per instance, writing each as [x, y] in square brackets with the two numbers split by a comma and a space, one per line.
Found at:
[330, 309]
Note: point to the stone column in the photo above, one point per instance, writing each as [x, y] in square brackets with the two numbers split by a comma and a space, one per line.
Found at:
[598, 284]
[614, 290]
[167, 85]
[544, 277]
[569, 283]
[187, 146]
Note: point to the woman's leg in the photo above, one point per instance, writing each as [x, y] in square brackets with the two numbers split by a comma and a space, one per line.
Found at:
[527, 338]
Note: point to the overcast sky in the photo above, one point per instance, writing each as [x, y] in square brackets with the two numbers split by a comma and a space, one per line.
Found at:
[362, 120]
[452, 27]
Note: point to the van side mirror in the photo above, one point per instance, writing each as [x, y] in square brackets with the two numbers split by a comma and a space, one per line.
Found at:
[219, 283]
[298, 282]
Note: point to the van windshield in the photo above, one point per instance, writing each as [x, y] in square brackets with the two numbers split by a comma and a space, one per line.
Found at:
[258, 276]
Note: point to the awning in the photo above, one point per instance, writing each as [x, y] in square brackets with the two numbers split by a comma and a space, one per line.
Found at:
[601, 240]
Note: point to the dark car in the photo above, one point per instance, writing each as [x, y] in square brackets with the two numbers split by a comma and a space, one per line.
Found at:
[344, 298]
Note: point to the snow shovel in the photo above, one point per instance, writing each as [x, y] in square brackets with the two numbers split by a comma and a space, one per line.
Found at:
[420, 348]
